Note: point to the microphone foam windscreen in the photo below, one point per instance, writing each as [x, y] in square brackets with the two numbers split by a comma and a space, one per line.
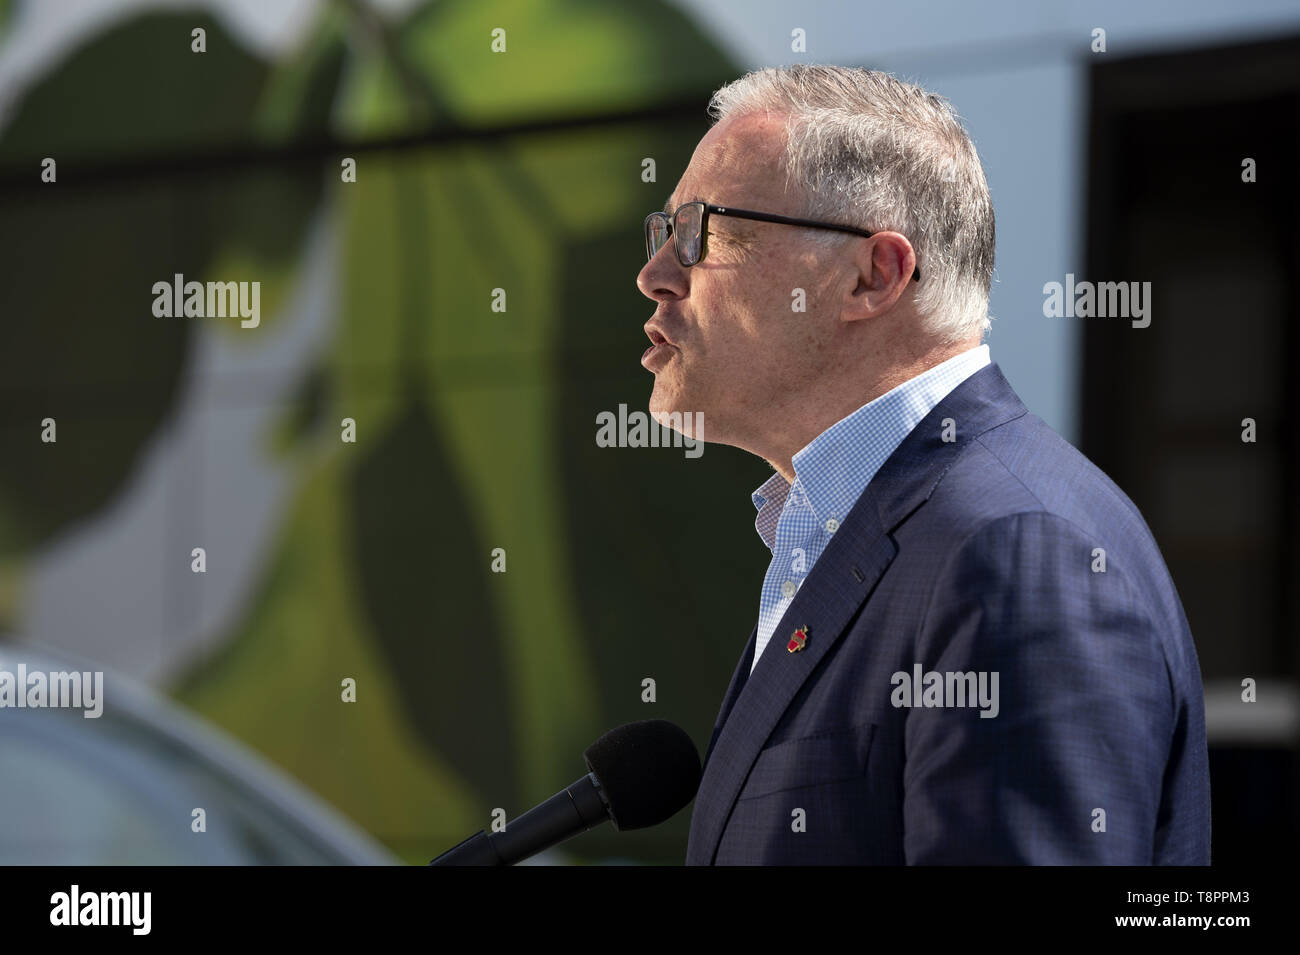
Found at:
[649, 770]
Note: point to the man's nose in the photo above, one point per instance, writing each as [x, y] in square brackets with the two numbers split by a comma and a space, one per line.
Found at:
[663, 276]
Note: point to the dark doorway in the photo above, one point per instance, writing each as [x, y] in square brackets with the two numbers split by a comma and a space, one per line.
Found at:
[1163, 406]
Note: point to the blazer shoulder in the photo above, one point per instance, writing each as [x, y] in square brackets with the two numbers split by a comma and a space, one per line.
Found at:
[1024, 466]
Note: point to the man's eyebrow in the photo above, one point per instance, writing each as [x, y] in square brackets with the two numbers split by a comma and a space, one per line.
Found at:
[668, 203]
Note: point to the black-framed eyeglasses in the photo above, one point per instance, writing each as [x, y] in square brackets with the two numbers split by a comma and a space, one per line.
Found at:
[689, 229]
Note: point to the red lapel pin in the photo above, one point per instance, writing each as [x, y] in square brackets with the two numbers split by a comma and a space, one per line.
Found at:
[799, 639]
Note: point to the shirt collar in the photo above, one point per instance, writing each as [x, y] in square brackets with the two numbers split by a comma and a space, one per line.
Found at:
[769, 500]
[835, 468]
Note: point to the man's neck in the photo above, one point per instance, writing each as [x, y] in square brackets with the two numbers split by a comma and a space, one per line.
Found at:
[820, 412]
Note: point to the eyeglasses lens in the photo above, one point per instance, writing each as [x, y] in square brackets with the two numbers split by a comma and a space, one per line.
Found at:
[687, 230]
[656, 234]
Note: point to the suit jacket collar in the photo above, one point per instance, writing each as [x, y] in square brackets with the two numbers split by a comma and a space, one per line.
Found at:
[840, 582]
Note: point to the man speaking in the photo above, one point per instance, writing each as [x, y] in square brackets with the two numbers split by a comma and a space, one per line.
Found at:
[968, 647]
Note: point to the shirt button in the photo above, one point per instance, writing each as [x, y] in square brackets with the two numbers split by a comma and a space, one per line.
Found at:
[832, 526]
[788, 588]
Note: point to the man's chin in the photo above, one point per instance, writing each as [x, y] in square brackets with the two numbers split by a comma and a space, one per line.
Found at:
[661, 405]
[689, 423]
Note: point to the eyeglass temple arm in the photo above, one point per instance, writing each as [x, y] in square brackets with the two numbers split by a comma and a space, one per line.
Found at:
[790, 220]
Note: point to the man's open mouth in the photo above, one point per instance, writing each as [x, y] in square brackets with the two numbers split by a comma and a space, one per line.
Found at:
[659, 345]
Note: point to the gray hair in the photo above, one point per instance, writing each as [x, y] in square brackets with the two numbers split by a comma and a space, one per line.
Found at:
[869, 150]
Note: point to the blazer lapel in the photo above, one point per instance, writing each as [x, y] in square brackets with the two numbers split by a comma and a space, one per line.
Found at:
[842, 578]
[738, 680]
[840, 582]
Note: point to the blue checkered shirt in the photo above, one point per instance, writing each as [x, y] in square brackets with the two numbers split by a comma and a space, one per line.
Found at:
[797, 520]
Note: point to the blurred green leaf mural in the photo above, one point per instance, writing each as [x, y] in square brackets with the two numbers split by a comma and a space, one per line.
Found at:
[475, 429]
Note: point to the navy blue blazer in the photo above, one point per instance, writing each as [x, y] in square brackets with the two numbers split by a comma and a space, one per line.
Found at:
[1003, 551]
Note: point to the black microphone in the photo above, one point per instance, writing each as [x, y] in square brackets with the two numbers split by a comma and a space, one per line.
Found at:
[639, 775]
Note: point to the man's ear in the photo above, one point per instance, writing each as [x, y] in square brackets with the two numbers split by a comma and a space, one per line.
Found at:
[885, 263]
